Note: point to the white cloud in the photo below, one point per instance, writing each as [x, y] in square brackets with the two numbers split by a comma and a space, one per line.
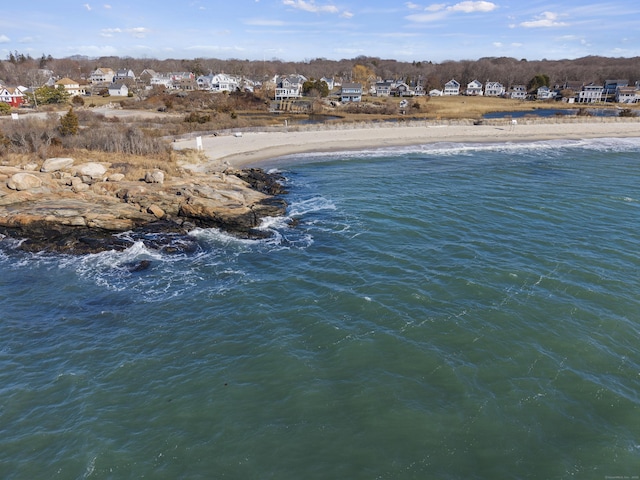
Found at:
[545, 20]
[87, 6]
[4, 39]
[310, 6]
[346, 14]
[138, 32]
[106, 6]
[438, 11]
[471, 7]
[426, 17]
[110, 32]
[412, 6]
[436, 7]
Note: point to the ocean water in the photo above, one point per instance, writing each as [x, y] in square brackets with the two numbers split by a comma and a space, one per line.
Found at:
[447, 311]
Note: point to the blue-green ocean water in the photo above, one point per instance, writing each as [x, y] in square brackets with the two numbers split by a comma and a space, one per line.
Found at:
[444, 311]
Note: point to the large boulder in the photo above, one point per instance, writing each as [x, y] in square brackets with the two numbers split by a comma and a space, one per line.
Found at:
[55, 164]
[156, 176]
[91, 172]
[24, 181]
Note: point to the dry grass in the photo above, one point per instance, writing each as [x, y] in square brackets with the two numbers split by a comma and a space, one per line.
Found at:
[450, 107]
[133, 167]
[100, 101]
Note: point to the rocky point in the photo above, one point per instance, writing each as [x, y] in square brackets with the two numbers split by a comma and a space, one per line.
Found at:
[66, 207]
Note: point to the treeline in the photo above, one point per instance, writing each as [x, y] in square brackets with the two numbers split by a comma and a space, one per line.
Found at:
[19, 69]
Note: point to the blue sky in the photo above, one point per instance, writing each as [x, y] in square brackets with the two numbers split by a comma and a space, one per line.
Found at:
[299, 30]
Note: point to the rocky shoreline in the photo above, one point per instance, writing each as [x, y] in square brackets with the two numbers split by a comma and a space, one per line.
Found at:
[77, 209]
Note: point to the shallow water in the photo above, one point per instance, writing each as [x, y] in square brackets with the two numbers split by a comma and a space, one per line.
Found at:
[442, 311]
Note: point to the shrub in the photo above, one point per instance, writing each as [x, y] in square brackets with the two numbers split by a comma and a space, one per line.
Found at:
[195, 117]
[69, 124]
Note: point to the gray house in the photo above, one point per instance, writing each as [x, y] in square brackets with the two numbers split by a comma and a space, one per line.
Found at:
[351, 92]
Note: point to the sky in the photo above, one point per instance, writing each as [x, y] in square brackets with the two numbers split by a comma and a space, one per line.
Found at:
[302, 30]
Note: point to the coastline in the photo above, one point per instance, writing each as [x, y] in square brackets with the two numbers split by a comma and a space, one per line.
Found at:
[244, 149]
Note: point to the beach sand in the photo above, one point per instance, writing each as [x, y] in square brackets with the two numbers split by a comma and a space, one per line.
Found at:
[247, 149]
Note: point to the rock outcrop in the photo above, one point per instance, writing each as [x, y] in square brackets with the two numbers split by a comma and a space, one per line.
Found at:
[87, 208]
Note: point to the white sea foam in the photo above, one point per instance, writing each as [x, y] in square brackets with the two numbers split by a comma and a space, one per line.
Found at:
[310, 205]
[457, 148]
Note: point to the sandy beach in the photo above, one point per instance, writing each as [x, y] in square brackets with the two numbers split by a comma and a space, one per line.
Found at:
[245, 149]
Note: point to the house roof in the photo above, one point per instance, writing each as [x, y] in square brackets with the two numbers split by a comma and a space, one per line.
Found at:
[66, 81]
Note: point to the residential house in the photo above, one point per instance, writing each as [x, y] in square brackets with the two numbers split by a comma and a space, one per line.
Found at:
[590, 93]
[101, 76]
[627, 95]
[474, 88]
[517, 92]
[351, 92]
[545, 93]
[218, 83]
[435, 93]
[161, 80]
[418, 89]
[610, 86]
[72, 87]
[494, 89]
[118, 90]
[184, 83]
[13, 96]
[330, 82]
[174, 80]
[124, 75]
[383, 88]
[403, 90]
[289, 86]
[452, 87]
[146, 76]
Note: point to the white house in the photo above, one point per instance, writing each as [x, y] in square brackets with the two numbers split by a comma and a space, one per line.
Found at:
[494, 89]
[452, 87]
[118, 90]
[72, 87]
[161, 79]
[518, 92]
[329, 81]
[289, 86]
[627, 95]
[383, 89]
[544, 93]
[101, 76]
[590, 93]
[474, 88]
[403, 90]
[351, 92]
[218, 83]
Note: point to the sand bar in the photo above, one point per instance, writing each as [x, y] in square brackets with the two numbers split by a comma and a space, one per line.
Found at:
[253, 148]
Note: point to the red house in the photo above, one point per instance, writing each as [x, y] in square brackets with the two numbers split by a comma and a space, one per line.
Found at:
[12, 96]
